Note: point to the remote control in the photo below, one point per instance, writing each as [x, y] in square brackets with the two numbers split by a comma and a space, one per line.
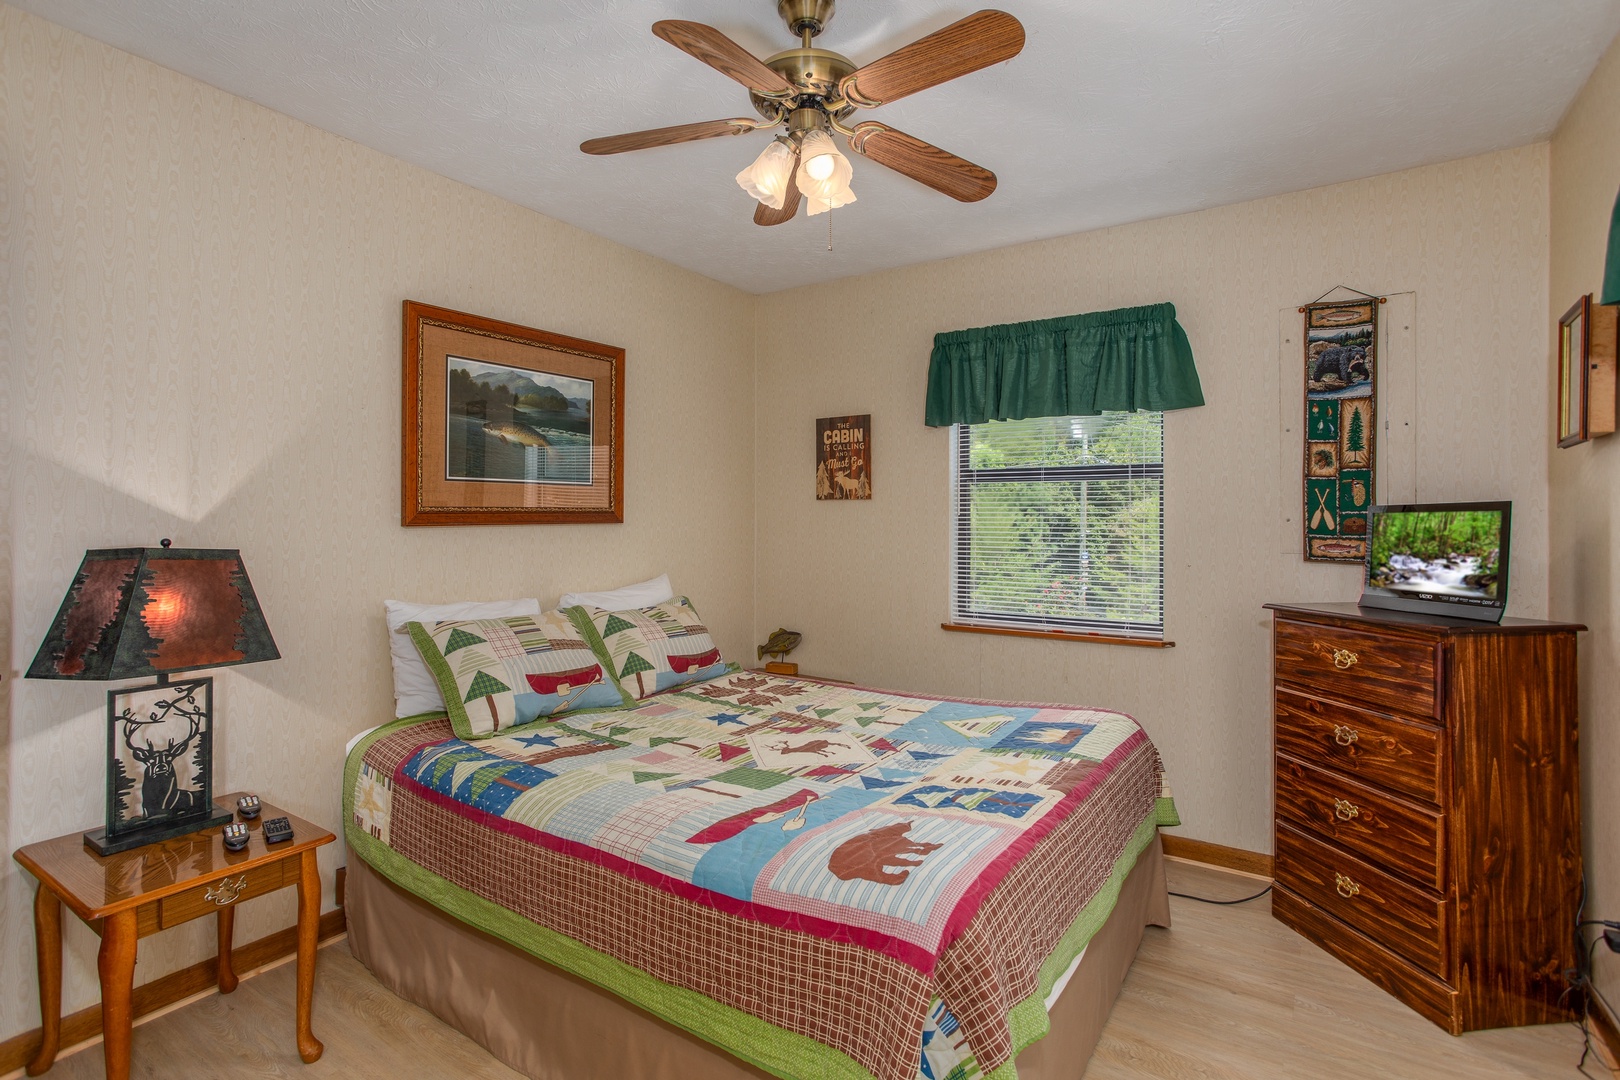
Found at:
[236, 836]
[248, 807]
[277, 829]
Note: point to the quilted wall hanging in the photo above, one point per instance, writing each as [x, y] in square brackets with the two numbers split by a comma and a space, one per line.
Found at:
[1341, 410]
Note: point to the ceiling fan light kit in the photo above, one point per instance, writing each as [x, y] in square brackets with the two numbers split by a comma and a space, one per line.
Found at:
[811, 92]
[824, 174]
[771, 174]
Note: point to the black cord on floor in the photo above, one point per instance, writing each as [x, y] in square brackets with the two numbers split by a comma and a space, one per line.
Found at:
[1580, 979]
[1207, 900]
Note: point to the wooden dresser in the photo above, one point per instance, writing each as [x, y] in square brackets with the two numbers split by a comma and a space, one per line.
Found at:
[1428, 826]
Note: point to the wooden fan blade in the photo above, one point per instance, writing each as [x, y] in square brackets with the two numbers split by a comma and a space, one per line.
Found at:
[981, 39]
[641, 140]
[724, 55]
[764, 215]
[944, 172]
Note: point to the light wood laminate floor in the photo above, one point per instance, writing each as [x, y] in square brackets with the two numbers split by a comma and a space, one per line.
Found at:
[1228, 994]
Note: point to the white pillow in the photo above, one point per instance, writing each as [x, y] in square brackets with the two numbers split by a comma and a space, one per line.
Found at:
[645, 594]
[414, 688]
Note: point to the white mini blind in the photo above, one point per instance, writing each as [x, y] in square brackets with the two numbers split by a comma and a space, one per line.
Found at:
[1059, 524]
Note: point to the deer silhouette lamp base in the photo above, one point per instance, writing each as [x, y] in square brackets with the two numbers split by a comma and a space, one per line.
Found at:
[160, 764]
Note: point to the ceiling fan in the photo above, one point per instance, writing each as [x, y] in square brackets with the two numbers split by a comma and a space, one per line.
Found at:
[812, 92]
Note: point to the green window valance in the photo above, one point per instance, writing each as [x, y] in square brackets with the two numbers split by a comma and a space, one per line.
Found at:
[1077, 365]
[1611, 271]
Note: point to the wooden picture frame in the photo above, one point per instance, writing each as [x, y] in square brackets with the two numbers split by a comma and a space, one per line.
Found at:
[1574, 345]
[508, 425]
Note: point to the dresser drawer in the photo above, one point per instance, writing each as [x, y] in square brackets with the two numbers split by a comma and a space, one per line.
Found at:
[1397, 673]
[1382, 750]
[1386, 829]
[233, 888]
[1417, 988]
[1405, 918]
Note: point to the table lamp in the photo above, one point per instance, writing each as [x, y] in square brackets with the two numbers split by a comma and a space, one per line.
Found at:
[138, 612]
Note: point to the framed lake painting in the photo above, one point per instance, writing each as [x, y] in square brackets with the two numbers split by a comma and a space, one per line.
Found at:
[508, 425]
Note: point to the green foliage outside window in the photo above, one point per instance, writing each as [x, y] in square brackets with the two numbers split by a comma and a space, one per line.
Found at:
[1058, 546]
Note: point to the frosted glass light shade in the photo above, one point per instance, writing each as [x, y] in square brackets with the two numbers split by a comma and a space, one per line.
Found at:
[767, 178]
[824, 174]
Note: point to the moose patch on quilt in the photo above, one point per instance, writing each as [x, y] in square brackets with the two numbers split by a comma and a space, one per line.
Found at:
[890, 813]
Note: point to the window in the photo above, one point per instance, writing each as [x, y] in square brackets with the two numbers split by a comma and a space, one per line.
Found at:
[1059, 524]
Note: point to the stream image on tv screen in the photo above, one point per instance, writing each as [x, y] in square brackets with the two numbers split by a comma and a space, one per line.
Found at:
[1453, 553]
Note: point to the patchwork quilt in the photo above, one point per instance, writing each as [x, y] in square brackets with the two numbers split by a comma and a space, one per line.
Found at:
[823, 880]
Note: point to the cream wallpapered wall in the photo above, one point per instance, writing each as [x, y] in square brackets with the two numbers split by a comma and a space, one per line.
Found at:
[201, 324]
[866, 581]
[1585, 482]
[201, 330]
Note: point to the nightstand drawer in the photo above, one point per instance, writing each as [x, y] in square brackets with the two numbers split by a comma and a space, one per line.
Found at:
[1378, 749]
[1407, 919]
[1397, 673]
[1384, 828]
[231, 889]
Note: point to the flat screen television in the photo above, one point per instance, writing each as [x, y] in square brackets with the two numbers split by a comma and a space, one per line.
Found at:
[1439, 559]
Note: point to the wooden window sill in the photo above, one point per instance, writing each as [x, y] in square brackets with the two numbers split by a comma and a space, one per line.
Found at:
[1101, 639]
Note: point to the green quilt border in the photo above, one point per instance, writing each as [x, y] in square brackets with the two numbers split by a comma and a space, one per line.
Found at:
[777, 1051]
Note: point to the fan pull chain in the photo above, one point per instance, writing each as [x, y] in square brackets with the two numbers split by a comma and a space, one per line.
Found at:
[829, 230]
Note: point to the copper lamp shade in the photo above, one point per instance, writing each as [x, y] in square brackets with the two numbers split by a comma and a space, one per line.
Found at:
[137, 612]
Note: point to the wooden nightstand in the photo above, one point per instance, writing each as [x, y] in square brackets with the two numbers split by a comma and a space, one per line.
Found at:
[129, 895]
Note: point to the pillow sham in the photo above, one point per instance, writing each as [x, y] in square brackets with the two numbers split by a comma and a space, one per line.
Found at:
[498, 673]
[415, 690]
[642, 594]
[651, 648]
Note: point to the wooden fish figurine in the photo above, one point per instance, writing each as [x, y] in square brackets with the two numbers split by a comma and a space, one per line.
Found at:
[780, 643]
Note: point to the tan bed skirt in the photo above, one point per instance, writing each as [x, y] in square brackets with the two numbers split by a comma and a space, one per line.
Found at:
[551, 1025]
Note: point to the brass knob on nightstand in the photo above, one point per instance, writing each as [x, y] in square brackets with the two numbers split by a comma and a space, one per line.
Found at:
[1344, 659]
[226, 891]
[1344, 736]
[1344, 810]
[1346, 888]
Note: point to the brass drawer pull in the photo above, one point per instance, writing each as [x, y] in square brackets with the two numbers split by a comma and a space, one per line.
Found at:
[226, 891]
[1344, 810]
[1343, 659]
[1344, 736]
[1346, 888]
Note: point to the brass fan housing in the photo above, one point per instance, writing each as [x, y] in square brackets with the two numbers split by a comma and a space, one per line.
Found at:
[815, 72]
[806, 16]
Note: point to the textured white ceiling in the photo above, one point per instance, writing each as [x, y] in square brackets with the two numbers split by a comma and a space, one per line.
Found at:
[1116, 111]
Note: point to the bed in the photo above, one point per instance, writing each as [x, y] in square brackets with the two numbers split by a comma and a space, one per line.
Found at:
[764, 876]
